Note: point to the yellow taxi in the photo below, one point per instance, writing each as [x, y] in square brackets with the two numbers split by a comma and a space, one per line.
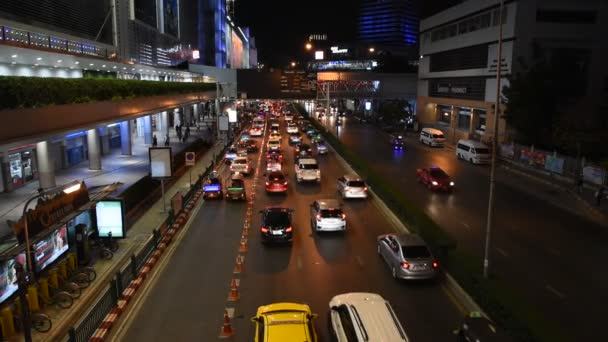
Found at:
[284, 322]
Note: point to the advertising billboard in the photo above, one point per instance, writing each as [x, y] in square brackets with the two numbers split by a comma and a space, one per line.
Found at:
[109, 216]
[160, 162]
[51, 247]
[237, 52]
[8, 276]
[171, 17]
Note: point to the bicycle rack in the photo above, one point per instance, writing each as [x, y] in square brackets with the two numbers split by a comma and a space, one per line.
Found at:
[32, 298]
[43, 287]
[63, 269]
[7, 322]
[72, 261]
[53, 278]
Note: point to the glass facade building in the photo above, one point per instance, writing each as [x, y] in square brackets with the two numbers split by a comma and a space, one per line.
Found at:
[390, 23]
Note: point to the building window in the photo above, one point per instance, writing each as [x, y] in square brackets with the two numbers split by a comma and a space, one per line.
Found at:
[464, 119]
[486, 20]
[559, 16]
[496, 16]
[481, 121]
[445, 114]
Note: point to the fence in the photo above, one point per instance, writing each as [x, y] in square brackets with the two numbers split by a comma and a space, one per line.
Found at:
[552, 163]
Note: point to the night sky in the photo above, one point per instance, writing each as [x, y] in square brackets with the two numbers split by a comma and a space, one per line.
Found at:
[281, 28]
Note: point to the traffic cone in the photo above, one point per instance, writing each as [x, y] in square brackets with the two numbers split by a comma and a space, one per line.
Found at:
[239, 265]
[243, 247]
[246, 229]
[234, 292]
[226, 330]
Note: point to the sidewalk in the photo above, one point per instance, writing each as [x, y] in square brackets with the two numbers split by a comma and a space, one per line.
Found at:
[126, 169]
[137, 236]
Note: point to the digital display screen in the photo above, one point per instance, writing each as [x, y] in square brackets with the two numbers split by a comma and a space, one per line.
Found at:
[160, 162]
[109, 216]
[8, 276]
[51, 247]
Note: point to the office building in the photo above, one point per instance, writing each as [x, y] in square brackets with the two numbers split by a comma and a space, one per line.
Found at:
[458, 58]
[390, 24]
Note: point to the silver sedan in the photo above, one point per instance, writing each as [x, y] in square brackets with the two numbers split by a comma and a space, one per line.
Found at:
[408, 256]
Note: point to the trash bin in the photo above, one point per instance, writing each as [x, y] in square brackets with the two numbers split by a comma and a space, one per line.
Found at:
[83, 248]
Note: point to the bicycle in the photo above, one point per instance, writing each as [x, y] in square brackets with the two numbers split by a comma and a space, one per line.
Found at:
[63, 284]
[56, 297]
[39, 321]
[107, 246]
[81, 276]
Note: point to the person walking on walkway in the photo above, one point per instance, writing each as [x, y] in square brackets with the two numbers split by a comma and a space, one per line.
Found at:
[167, 140]
[579, 183]
[154, 141]
[598, 195]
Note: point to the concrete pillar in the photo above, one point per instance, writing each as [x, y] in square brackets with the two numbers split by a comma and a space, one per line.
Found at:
[147, 130]
[125, 138]
[46, 165]
[104, 132]
[176, 117]
[140, 127]
[164, 123]
[94, 147]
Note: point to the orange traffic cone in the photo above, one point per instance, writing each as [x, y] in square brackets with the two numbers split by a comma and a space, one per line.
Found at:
[243, 247]
[246, 229]
[239, 265]
[234, 292]
[226, 330]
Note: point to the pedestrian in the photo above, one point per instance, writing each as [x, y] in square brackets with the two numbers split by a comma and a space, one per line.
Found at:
[598, 195]
[167, 140]
[179, 135]
[154, 141]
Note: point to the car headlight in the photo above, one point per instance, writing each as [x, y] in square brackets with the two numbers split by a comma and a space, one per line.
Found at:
[451, 183]
[434, 183]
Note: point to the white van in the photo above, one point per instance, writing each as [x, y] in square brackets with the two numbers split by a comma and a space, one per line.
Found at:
[360, 317]
[432, 137]
[473, 151]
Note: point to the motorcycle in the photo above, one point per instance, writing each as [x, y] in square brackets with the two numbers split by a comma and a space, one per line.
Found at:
[398, 143]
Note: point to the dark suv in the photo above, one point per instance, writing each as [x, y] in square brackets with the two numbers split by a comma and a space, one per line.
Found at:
[276, 225]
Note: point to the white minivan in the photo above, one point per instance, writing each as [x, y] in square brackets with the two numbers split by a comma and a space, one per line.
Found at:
[432, 137]
[473, 151]
[360, 317]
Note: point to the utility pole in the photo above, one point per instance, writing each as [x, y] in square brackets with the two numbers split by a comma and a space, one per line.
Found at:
[486, 258]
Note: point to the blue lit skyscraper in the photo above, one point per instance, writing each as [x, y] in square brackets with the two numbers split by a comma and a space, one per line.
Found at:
[389, 23]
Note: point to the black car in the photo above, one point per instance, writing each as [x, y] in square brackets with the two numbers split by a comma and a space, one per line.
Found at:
[478, 328]
[302, 151]
[276, 225]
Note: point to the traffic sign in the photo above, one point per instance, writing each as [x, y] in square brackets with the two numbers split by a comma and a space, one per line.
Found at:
[190, 158]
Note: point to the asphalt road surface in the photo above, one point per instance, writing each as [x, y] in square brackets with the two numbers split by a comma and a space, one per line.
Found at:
[548, 254]
[187, 301]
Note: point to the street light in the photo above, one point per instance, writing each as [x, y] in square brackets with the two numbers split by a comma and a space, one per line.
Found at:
[486, 258]
[371, 49]
[24, 277]
[308, 46]
[293, 64]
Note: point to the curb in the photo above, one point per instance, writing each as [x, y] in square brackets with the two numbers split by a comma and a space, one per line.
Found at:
[452, 286]
[127, 295]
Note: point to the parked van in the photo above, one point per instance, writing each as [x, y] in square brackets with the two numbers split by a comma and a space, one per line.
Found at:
[473, 151]
[432, 137]
[360, 317]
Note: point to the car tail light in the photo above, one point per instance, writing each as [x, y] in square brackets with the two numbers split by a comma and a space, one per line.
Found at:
[405, 265]
[318, 217]
[264, 230]
[343, 217]
[346, 188]
[435, 264]
[267, 183]
[288, 229]
[365, 189]
[285, 183]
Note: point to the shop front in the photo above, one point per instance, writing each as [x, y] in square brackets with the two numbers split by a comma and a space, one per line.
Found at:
[74, 148]
[21, 166]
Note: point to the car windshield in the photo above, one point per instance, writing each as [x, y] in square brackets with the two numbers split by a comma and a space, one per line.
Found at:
[304, 147]
[414, 252]
[482, 151]
[236, 183]
[331, 213]
[214, 181]
[438, 136]
[438, 173]
[277, 177]
[356, 184]
[309, 166]
[277, 218]
[240, 161]
[232, 150]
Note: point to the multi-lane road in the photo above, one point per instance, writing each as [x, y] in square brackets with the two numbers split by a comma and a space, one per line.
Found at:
[552, 256]
[186, 301]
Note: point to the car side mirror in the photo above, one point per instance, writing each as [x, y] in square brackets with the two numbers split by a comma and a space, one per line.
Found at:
[313, 316]
[254, 319]
[333, 308]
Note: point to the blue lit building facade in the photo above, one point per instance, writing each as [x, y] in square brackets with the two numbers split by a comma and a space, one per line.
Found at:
[390, 24]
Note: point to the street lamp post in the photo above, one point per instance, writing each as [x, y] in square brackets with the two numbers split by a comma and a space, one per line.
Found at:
[486, 259]
[24, 277]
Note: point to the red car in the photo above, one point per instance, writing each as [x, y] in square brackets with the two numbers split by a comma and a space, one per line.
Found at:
[276, 182]
[435, 179]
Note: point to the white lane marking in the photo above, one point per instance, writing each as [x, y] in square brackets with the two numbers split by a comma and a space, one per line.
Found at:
[501, 251]
[230, 312]
[359, 261]
[299, 262]
[555, 292]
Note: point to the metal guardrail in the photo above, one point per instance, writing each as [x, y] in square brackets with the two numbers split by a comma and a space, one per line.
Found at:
[96, 315]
